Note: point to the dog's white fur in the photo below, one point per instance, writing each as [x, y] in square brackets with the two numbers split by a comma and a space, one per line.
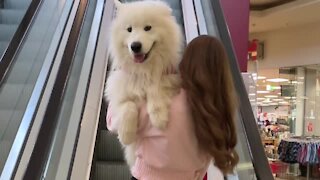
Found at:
[130, 83]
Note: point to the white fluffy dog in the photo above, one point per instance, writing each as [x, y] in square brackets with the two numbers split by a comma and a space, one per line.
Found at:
[145, 46]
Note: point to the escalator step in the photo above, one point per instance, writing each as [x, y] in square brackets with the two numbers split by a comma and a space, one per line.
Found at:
[111, 171]
[109, 148]
[11, 16]
[7, 31]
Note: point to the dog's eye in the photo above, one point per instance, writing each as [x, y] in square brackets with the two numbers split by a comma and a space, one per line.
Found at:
[147, 28]
[129, 29]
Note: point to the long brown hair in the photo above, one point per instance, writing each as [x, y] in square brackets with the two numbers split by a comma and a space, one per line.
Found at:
[207, 79]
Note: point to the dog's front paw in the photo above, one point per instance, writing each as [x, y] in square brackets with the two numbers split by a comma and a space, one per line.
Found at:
[127, 131]
[159, 119]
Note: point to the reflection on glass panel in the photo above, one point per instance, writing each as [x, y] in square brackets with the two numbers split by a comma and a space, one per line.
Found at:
[11, 14]
[21, 78]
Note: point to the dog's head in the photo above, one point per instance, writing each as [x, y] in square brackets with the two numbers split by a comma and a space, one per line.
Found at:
[145, 33]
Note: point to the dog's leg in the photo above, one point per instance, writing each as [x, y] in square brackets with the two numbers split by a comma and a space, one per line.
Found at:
[127, 115]
[157, 106]
[130, 154]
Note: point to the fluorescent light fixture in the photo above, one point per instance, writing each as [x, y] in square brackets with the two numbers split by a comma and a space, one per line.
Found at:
[271, 96]
[261, 77]
[252, 100]
[259, 99]
[273, 104]
[272, 88]
[277, 80]
[277, 99]
[283, 102]
[262, 92]
[294, 82]
[287, 97]
[252, 94]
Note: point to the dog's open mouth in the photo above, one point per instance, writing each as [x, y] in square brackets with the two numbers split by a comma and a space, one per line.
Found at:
[140, 57]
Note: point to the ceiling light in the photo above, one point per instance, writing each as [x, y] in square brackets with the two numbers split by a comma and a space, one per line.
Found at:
[272, 88]
[277, 80]
[294, 82]
[270, 96]
[273, 104]
[259, 99]
[261, 77]
[262, 92]
[287, 97]
[277, 99]
[252, 94]
[283, 102]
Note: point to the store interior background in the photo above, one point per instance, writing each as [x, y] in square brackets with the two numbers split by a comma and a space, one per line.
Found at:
[283, 76]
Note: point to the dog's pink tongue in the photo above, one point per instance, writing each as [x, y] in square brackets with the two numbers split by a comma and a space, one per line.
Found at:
[139, 58]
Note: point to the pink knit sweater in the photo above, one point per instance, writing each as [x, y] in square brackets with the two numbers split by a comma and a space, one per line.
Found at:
[172, 154]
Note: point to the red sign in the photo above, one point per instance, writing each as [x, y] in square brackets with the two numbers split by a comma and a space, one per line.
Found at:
[310, 127]
[253, 49]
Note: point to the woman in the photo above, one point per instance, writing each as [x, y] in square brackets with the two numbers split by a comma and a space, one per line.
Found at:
[201, 125]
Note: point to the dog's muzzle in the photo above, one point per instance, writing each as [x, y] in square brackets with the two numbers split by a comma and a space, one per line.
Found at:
[138, 56]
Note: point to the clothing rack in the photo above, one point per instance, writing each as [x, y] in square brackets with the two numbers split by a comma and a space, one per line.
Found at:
[307, 150]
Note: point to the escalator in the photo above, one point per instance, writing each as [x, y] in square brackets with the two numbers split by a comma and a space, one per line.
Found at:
[54, 126]
[109, 162]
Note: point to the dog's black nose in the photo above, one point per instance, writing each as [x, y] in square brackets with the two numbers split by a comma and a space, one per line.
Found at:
[136, 47]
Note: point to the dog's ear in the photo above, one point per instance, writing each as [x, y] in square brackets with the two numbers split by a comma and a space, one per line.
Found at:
[117, 3]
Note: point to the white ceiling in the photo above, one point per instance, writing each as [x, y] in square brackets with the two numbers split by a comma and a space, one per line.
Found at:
[292, 14]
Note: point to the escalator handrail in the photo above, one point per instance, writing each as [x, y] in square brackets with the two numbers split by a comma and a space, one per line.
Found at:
[189, 19]
[7, 58]
[95, 88]
[42, 146]
[259, 161]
